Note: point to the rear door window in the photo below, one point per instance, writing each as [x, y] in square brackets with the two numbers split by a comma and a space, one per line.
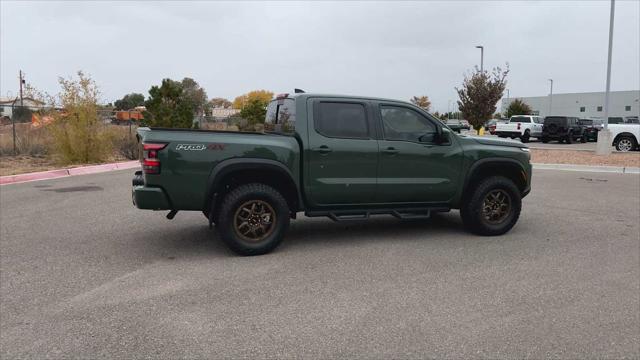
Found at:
[341, 120]
[281, 116]
[520, 119]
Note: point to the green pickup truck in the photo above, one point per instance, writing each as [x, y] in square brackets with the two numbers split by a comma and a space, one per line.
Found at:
[343, 157]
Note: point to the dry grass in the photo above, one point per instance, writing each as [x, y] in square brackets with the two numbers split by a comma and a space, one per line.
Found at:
[21, 164]
[29, 141]
[630, 159]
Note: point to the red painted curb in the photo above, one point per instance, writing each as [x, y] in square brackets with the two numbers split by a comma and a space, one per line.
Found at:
[54, 174]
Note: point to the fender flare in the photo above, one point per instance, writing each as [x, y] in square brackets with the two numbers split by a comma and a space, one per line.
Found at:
[476, 166]
[228, 166]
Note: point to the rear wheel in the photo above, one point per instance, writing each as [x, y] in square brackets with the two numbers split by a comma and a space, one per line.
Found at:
[493, 207]
[569, 138]
[253, 219]
[525, 137]
[583, 138]
[626, 143]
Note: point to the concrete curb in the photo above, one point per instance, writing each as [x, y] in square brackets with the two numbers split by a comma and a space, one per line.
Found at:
[587, 168]
[59, 173]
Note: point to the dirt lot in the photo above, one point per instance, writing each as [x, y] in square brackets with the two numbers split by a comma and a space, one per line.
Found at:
[631, 159]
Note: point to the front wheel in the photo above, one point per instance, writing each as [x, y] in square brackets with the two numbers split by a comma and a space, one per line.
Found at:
[253, 219]
[493, 207]
[626, 143]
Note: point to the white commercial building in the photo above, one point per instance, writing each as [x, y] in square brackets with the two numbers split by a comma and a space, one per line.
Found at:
[582, 105]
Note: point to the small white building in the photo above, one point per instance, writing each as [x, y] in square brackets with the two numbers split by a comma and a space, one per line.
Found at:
[7, 105]
[582, 105]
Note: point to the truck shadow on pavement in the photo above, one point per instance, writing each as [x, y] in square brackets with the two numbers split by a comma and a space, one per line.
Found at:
[189, 241]
[306, 231]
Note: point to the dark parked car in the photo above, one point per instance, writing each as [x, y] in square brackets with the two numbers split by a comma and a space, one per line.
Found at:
[591, 128]
[562, 128]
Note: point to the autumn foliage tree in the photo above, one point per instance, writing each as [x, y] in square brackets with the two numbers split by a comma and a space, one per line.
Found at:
[253, 105]
[262, 96]
[518, 107]
[479, 95]
[220, 103]
[421, 101]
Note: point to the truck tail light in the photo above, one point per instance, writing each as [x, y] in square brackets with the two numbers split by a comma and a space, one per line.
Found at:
[150, 160]
[519, 126]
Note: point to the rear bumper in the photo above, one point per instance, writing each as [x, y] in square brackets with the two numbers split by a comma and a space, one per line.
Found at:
[148, 197]
[508, 133]
[555, 136]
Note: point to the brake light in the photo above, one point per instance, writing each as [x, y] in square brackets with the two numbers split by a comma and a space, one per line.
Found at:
[150, 160]
[518, 126]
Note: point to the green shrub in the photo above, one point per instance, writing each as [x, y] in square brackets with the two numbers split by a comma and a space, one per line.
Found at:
[78, 134]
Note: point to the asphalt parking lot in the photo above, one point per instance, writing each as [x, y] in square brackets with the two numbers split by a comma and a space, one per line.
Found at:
[83, 274]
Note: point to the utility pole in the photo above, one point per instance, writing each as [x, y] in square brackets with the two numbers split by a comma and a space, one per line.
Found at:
[603, 147]
[21, 82]
[550, 96]
[481, 57]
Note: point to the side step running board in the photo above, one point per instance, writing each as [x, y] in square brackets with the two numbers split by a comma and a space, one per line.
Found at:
[350, 215]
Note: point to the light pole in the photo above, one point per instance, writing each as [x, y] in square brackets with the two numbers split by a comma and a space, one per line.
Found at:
[550, 96]
[603, 147]
[481, 57]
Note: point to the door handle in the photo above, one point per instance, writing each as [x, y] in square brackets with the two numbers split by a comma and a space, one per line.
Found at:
[390, 151]
[324, 149]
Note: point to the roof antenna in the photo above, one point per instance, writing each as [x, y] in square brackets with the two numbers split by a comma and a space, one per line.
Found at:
[298, 91]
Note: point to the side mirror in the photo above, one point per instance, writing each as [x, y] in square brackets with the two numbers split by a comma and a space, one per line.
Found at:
[442, 136]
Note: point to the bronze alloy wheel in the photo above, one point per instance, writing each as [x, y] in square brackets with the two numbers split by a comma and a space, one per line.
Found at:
[496, 206]
[254, 220]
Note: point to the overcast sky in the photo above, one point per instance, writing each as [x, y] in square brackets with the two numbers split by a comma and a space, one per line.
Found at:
[386, 49]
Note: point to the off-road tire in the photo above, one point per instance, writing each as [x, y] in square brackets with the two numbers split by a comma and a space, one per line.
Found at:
[626, 143]
[525, 137]
[472, 213]
[234, 200]
[583, 139]
[569, 138]
[545, 139]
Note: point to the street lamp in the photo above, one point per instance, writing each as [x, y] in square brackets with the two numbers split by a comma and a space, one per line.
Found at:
[550, 96]
[481, 57]
[603, 147]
